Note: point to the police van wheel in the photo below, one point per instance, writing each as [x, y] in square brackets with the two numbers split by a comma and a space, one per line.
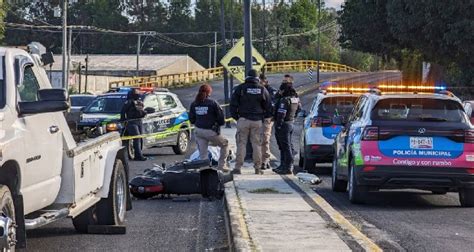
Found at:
[357, 193]
[466, 197]
[309, 165]
[111, 210]
[338, 185]
[182, 143]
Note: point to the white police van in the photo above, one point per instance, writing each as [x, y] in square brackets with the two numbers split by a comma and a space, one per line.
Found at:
[322, 124]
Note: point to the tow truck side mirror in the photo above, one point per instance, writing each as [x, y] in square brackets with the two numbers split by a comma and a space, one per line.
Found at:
[50, 100]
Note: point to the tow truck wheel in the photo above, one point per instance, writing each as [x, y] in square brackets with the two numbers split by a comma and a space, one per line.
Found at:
[337, 184]
[83, 220]
[7, 220]
[182, 143]
[111, 210]
[357, 193]
[466, 197]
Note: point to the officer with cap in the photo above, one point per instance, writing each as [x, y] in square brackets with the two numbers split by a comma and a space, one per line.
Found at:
[132, 113]
[285, 112]
[250, 101]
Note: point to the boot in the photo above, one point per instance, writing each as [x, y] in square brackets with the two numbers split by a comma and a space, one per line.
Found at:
[258, 171]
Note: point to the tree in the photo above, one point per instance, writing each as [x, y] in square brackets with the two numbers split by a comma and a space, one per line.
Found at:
[2, 17]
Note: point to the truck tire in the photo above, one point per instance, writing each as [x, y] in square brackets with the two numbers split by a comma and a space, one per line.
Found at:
[182, 143]
[466, 197]
[83, 220]
[111, 210]
[7, 216]
[338, 185]
[357, 193]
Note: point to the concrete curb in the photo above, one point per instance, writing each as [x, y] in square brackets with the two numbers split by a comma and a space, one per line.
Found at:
[366, 243]
[240, 237]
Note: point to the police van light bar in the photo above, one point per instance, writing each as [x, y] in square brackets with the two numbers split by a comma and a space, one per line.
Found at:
[408, 88]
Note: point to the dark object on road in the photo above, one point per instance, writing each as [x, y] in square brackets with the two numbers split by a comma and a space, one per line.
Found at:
[188, 177]
[106, 229]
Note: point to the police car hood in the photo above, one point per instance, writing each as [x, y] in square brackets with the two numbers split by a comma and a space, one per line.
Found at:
[94, 118]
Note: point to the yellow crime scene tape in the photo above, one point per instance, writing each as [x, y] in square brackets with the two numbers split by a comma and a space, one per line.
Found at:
[177, 128]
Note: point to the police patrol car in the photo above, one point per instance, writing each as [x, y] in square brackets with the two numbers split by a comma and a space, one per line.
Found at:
[406, 140]
[166, 124]
[322, 124]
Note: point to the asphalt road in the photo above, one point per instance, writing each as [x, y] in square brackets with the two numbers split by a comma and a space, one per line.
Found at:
[409, 220]
[396, 220]
[158, 224]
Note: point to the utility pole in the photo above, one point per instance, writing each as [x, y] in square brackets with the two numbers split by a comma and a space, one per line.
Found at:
[264, 33]
[232, 39]
[139, 44]
[224, 51]
[248, 36]
[80, 77]
[87, 72]
[64, 81]
[68, 70]
[210, 57]
[319, 39]
[215, 49]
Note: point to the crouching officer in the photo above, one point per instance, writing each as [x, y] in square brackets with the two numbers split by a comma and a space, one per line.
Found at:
[131, 114]
[285, 112]
[207, 116]
[250, 101]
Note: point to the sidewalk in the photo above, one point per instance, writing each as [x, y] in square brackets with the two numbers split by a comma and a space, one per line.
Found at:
[267, 214]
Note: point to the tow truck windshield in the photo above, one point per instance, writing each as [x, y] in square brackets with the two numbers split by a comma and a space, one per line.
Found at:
[418, 109]
[106, 105]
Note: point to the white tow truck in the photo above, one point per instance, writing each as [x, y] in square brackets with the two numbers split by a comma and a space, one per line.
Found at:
[45, 175]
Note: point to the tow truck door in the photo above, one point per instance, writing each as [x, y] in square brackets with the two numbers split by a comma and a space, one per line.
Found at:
[43, 146]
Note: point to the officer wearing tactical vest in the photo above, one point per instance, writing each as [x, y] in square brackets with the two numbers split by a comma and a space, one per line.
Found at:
[250, 101]
[285, 112]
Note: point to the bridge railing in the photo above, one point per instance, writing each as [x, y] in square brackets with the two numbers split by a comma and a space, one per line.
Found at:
[183, 79]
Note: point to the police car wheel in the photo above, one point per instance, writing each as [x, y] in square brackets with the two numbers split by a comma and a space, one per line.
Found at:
[337, 184]
[466, 197]
[356, 192]
[182, 143]
[130, 149]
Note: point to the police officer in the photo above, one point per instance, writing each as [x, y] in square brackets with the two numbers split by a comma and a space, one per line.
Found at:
[267, 124]
[285, 113]
[131, 114]
[250, 101]
[207, 116]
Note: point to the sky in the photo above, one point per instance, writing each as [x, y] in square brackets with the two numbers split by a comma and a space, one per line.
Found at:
[334, 3]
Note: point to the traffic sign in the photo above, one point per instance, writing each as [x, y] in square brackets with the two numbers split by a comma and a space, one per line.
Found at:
[234, 60]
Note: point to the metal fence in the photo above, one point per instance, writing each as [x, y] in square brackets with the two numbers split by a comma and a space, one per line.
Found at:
[184, 79]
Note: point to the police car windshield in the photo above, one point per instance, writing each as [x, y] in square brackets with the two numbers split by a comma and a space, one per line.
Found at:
[336, 105]
[418, 109]
[106, 105]
[81, 101]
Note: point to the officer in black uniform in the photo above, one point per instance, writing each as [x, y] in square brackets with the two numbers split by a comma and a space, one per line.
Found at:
[208, 117]
[250, 101]
[131, 114]
[285, 112]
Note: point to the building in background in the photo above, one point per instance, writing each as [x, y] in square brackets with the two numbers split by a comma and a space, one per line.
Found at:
[102, 69]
